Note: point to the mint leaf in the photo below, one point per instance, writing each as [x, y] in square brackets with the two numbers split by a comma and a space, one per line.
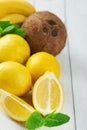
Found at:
[56, 119]
[35, 121]
[50, 120]
[16, 26]
[20, 32]
[8, 30]
[1, 31]
[4, 24]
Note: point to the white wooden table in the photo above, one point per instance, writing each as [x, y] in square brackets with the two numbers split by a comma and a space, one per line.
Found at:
[73, 61]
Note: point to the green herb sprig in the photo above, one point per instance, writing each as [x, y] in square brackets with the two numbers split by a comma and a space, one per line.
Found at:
[7, 28]
[53, 119]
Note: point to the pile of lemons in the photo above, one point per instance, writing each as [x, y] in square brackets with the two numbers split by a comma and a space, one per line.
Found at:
[21, 72]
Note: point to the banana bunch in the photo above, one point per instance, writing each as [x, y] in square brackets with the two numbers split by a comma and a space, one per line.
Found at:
[15, 11]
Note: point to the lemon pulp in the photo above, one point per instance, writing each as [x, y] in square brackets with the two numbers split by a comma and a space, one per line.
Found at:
[48, 94]
[15, 107]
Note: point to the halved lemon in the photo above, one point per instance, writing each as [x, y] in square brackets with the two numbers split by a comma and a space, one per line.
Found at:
[15, 107]
[48, 94]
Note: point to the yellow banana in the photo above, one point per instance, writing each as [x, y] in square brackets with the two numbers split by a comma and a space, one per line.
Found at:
[14, 18]
[16, 6]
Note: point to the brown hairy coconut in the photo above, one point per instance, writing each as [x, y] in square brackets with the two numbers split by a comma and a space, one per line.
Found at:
[45, 32]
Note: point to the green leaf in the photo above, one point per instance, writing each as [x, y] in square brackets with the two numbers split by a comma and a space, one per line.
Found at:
[56, 119]
[50, 120]
[16, 26]
[20, 32]
[8, 30]
[35, 121]
[1, 31]
[4, 24]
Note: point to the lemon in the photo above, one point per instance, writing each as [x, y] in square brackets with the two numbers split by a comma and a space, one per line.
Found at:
[48, 94]
[14, 48]
[15, 107]
[41, 62]
[15, 78]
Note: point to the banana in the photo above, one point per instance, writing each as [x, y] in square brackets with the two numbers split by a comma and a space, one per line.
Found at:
[16, 6]
[14, 18]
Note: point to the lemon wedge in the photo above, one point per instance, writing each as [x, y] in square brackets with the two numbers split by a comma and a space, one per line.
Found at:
[48, 94]
[15, 107]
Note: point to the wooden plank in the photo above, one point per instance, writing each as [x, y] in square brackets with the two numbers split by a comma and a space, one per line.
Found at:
[77, 33]
[8, 124]
[57, 7]
[31, 1]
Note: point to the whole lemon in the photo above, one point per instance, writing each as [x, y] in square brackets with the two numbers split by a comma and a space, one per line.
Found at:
[41, 62]
[15, 78]
[14, 48]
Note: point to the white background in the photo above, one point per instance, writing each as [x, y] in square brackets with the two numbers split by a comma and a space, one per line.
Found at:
[73, 61]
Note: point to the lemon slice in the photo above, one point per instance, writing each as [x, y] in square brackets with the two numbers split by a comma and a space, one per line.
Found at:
[14, 106]
[48, 94]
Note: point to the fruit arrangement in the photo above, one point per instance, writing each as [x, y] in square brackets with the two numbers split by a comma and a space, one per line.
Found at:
[29, 41]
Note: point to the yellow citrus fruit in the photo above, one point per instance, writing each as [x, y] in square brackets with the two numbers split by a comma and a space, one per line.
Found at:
[41, 62]
[48, 94]
[15, 107]
[14, 48]
[15, 78]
